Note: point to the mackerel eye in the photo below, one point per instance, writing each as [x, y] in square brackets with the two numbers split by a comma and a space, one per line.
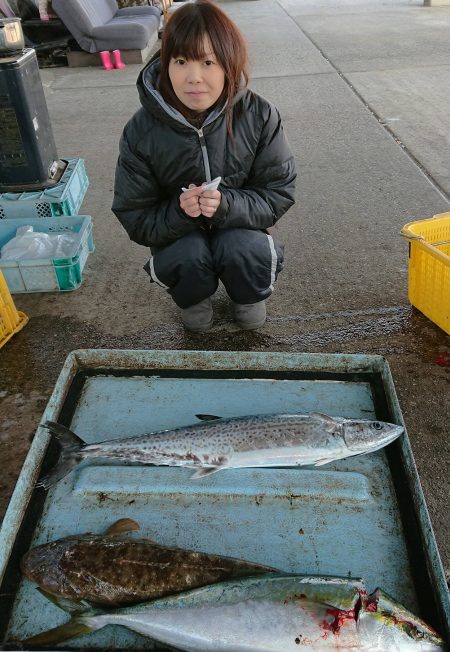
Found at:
[377, 425]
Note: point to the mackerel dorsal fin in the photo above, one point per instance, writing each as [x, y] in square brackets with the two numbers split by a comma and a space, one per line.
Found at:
[327, 422]
[207, 417]
[121, 526]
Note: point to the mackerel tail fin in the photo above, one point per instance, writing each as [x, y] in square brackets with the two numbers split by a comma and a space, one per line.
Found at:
[71, 447]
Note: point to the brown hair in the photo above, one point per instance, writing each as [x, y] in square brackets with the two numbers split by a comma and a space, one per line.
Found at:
[184, 36]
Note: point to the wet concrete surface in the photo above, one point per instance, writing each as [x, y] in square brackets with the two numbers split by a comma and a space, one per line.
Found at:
[344, 288]
[418, 354]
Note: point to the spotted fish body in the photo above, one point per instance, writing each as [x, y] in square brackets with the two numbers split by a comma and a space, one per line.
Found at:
[267, 614]
[112, 570]
[248, 441]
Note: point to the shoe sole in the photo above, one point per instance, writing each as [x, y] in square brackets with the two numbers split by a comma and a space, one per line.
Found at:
[201, 328]
[250, 327]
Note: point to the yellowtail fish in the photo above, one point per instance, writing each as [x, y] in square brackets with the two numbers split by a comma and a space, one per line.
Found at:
[113, 570]
[248, 441]
[267, 614]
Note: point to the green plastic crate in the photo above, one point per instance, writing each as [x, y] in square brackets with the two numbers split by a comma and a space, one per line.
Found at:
[47, 274]
[64, 198]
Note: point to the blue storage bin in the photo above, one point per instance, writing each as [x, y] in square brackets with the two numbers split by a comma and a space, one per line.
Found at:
[64, 198]
[47, 274]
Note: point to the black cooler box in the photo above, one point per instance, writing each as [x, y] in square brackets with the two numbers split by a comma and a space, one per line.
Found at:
[28, 157]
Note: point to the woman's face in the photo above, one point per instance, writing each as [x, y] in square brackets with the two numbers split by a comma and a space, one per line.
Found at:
[198, 84]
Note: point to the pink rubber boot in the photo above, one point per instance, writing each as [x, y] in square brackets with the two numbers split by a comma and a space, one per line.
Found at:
[118, 63]
[105, 56]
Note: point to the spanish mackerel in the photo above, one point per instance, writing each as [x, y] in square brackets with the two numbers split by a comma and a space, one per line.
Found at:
[247, 441]
[267, 614]
[111, 570]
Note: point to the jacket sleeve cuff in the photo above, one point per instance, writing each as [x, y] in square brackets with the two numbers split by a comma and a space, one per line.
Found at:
[221, 213]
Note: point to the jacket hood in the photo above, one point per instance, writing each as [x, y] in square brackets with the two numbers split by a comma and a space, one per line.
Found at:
[152, 100]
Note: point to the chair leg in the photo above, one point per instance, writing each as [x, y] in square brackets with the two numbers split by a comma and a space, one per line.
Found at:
[105, 56]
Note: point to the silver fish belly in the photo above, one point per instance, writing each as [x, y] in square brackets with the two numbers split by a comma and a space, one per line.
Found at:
[267, 614]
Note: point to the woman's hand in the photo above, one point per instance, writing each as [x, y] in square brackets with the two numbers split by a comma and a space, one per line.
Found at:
[209, 202]
[194, 202]
[189, 201]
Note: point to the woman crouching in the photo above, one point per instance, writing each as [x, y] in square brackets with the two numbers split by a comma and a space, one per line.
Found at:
[198, 122]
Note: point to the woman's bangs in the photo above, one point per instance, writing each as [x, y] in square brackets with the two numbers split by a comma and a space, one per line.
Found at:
[189, 42]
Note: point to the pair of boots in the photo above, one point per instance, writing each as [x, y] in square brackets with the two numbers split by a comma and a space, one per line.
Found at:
[115, 62]
[247, 316]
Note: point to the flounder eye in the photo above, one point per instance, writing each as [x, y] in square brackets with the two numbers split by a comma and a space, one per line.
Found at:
[377, 425]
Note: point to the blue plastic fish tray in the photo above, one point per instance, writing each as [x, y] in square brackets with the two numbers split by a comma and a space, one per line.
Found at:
[357, 517]
[64, 198]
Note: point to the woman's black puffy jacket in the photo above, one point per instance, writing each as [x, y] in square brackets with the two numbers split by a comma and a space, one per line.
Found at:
[160, 151]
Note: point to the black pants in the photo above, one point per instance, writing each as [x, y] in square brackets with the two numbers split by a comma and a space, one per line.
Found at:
[247, 262]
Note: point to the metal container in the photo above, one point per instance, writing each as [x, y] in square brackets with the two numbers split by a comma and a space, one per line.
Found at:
[357, 517]
[11, 35]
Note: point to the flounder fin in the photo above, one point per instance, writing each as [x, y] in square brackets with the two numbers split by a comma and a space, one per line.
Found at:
[75, 607]
[203, 472]
[58, 634]
[207, 417]
[121, 526]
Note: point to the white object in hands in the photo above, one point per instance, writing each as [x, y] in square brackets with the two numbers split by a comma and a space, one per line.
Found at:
[213, 185]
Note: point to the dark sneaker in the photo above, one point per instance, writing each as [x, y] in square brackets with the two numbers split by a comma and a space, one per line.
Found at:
[249, 316]
[198, 318]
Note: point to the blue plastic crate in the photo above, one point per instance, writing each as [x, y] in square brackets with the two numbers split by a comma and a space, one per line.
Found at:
[64, 198]
[48, 274]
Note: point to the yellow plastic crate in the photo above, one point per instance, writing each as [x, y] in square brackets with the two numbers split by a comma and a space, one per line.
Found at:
[429, 267]
[11, 320]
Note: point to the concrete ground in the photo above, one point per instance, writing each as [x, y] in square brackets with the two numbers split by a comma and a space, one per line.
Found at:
[362, 86]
